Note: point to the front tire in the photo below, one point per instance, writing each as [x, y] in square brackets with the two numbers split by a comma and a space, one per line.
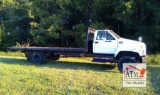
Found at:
[125, 59]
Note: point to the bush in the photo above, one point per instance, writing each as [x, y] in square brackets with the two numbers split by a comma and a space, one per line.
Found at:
[153, 59]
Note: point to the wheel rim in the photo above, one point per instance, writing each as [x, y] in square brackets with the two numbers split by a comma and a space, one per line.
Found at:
[37, 58]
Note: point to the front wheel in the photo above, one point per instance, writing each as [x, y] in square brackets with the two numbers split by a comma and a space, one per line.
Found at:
[125, 59]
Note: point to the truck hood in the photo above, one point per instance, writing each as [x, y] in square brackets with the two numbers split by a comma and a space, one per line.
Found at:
[130, 44]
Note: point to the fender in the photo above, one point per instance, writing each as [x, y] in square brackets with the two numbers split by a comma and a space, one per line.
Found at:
[124, 49]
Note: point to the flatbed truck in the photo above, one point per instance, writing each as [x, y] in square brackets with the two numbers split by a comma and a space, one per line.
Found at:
[102, 45]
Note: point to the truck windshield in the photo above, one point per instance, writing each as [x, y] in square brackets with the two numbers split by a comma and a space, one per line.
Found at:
[117, 36]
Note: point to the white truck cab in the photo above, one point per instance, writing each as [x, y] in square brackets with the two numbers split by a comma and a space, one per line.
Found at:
[109, 47]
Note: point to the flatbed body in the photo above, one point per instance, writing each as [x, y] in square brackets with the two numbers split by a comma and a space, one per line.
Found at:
[54, 49]
[67, 51]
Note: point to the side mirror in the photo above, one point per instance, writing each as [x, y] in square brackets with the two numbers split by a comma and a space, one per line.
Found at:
[140, 39]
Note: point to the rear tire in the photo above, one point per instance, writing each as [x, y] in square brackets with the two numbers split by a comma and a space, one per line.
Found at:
[38, 58]
[125, 59]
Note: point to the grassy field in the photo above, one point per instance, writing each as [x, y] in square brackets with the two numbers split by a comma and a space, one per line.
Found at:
[69, 76]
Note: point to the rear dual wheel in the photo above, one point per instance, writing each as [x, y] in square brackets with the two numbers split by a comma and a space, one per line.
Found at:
[36, 57]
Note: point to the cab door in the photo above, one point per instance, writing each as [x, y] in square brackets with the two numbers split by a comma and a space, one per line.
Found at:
[104, 43]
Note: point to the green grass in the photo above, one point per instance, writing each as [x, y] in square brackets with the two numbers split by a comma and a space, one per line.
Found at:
[18, 53]
[70, 76]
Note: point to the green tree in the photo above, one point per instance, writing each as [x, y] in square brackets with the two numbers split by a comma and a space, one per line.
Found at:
[53, 21]
[14, 22]
[131, 18]
[64, 22]
[139, 20]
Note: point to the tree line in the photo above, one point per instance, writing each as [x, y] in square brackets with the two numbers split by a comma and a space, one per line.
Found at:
[64, 22]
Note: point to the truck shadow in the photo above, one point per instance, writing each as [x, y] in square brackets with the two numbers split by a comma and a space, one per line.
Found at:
[154, 77]
[62, 65]
[84, 66]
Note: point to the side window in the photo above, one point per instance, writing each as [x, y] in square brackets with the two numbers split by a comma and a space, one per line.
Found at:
[104, 35]
[100, 35]
[109, 36]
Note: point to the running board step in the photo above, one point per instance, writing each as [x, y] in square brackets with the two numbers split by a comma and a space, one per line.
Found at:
[103, 58]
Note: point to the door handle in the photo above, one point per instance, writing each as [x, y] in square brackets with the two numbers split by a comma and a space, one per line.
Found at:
[96, 42]
[108, 41]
